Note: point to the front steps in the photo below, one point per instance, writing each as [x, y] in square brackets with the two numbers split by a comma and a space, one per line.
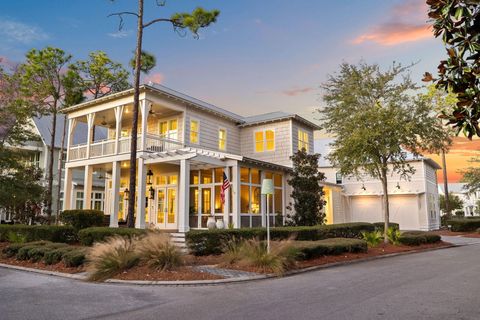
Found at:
[178, 239]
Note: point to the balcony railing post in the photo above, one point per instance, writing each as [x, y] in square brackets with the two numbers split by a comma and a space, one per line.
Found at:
[144, 111]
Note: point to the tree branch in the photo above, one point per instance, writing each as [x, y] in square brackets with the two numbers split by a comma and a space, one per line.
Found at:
[173, 22]
[120, 16]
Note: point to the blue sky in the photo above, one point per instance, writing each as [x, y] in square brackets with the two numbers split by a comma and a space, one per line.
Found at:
[261, 55]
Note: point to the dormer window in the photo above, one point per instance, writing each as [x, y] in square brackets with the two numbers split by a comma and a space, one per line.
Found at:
[264, 140]
[302, 140]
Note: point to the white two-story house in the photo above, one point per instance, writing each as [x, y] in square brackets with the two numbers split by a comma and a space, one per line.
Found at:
[184, 147]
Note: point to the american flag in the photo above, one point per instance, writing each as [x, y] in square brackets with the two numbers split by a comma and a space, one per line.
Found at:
[225, 186]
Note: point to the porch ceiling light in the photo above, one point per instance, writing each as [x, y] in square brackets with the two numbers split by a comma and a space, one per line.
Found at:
[363, 187]
[149, 177]
[397, 186]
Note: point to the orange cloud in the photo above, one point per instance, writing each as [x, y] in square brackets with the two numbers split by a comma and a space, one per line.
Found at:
[393, 34]
[155, 78]
[404, 23]
[297, 91]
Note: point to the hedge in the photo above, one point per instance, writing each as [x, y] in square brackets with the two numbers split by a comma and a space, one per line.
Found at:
[49, 252]
[89, 236]
[66, 234]
[416, 238]
[379, 226]
[469, 224]
[205, 242]
[81, 219]
[314, 249]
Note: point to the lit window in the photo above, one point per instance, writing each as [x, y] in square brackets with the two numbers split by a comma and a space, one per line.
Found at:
[222, 139]
[194, 131]
[264, 141]
[338, 178]
[302, 140]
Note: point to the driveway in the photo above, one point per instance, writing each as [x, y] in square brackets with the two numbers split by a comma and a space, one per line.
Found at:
[442, 284]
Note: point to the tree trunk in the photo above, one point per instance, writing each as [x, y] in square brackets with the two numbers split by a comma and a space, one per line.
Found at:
[49, 199]
[386, 207]
[445, 184]
[136, 102]
[60, 162]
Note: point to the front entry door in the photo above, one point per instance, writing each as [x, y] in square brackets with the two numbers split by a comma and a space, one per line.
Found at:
[166, 207]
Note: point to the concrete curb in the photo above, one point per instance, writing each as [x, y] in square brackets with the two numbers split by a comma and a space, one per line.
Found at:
[187, 283]
[45, 272]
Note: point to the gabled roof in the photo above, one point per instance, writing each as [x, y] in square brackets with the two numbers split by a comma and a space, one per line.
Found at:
[276, 116]
[44, 127]
[199, 104]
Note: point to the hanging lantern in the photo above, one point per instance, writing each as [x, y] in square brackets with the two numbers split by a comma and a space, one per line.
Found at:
[149, 177]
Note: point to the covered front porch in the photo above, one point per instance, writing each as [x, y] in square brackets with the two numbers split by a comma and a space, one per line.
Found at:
[180, 190]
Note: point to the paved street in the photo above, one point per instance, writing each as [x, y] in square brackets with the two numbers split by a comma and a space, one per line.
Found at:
[441, 284]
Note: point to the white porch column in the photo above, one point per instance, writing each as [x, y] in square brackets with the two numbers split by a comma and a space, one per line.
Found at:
[141, 186]
[226, 206]
[236, 195]
[115, 194]
[263, 202]
[72, 124]
[144, 113]
[87, 187]
[184, 199]
[67, 189]
[90, 119]
[118, 127]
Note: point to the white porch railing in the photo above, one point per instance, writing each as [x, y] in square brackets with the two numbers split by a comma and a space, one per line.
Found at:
[153, 143]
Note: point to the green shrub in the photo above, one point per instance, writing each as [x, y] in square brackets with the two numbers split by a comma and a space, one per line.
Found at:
[204, 242]
[232, 251]
[64, 234]
[91, 235]
[380, 226]
[335, 246]
[158, 251]
[108, 258]
[74, 258]
[372, 238]
[393, 235]
[14, 237]
[416, 238]
[81, 219]
[54, 256]
[460, 225]
[12, 249]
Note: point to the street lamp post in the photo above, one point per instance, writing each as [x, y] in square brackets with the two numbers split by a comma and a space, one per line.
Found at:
[267, 189]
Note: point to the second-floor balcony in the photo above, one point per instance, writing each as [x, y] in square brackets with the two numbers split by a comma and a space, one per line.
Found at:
[109, 147]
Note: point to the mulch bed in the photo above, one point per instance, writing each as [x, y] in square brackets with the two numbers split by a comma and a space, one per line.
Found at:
[470, 234]
[143, 272]
[372, 252]
[59, 267]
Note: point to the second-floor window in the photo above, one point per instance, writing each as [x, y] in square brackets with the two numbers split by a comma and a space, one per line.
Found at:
[264, 140]
[222, 139]
[302, 140]
[194, 130]
[168, 129]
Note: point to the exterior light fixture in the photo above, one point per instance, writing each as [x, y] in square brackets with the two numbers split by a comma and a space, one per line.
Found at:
[363, 187]
[126, 193]
[268, 190]
[149, 177]
[397, 186]
[152, 193]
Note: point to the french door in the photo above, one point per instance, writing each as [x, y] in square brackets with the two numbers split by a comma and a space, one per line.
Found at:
[166, 207]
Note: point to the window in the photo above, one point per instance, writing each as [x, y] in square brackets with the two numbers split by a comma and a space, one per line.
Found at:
[194, 131]
[302, 140]
[264, 140]
[35, 159]
[168, 129]
[338, 178]
[79, 200]
[97, 201]
[250, 191]
[222, 139]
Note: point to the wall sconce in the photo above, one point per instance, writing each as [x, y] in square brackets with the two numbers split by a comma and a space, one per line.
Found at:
[363, 187]
[152, 193]
[126, 193]
[149, 177]
[397, 186]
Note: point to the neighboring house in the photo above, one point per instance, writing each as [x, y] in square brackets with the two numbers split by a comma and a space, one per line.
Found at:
[38, 155]
[184, 147]
[414, 203]
[470, 200]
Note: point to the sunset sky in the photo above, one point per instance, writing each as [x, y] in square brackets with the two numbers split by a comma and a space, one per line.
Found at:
[261, 56]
